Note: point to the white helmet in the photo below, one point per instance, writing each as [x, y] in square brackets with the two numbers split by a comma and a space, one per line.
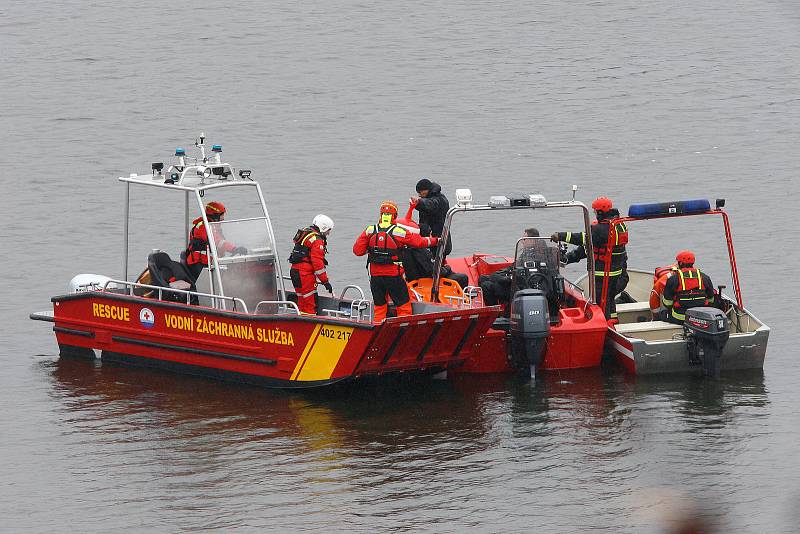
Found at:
[323, 222]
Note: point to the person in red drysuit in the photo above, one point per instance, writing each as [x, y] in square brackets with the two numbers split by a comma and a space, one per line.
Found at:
[383, 242]
[308, 262]
[195, 256]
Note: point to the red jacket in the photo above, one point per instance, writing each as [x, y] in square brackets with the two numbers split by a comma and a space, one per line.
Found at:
[314, 263]
[387, 240]
[198, 242]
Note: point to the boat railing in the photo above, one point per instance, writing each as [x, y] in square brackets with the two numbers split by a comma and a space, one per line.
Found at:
[361, 310]
[129, 287]
[473, 297]
[357, 288]
[287, 305]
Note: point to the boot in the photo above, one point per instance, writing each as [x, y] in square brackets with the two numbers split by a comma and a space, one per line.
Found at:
[380, 313]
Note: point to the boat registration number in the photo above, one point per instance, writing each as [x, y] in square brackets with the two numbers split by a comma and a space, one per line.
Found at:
[335, 333]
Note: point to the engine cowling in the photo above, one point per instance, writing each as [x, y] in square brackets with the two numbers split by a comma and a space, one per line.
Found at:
[529, 327]
[707, 331]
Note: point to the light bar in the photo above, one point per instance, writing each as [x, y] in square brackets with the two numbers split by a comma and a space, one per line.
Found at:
[681, 207]
[499, 201]
[537, 200]
[464, 197]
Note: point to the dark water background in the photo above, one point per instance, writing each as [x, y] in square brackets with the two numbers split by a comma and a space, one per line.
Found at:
[337, 106]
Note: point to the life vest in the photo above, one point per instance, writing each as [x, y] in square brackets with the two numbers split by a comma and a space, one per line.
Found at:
[382, 247]
[662, 274]
[196, 251]
[690, 292]
[617, 239]
[302, 238]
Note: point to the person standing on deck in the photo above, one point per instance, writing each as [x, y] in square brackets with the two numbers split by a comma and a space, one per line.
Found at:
[432, 206]
[309, 263]
[382, 243]
[609, 237]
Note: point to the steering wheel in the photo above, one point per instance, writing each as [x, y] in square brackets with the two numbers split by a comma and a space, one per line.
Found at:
[537, 281]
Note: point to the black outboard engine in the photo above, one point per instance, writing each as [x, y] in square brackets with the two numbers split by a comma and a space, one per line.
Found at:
[706, 330]
[529, 328]
[537, 267]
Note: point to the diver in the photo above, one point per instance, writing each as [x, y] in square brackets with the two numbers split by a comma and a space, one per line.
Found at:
[687, 288]
[383, 243]
[309, 263]
[196, 256]
[609, 237]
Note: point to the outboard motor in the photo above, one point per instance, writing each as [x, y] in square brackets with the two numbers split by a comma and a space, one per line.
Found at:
[706, 330]
[529, 328]
[537, 267]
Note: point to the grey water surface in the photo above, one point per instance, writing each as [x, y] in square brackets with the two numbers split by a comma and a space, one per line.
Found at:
[337, 106]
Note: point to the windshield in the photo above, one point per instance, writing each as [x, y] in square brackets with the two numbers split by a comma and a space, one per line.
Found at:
[535, 264]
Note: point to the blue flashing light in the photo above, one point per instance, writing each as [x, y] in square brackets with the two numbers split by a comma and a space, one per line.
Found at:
[216, 148]
[660, 209]
[180, 152]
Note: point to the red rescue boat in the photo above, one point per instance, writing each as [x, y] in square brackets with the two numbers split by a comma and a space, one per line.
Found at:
[237, 321]
[548, 323]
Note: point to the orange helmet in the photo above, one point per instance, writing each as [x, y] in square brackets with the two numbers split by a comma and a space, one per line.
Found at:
[685, 257]
[387, 206]
[215, 208]
[602, 204]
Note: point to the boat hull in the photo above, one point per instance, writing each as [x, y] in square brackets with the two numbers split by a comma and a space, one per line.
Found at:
[286, 351]
[641, 357]
[646, 347]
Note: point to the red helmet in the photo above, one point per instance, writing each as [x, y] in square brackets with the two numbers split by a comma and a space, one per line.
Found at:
[387, 206]
[215, 208]
[685, 257]
[602, 204]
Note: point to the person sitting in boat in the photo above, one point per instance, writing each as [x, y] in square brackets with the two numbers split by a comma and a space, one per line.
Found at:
[195, 255]
[309, 263]
[609, 237]
[432, 206]
[687, 288]
[418, 263]
[383, 243]
[660, 277]
[496, 287]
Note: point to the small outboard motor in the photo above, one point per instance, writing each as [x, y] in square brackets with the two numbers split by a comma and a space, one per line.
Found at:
[529, 328]
[707, 331]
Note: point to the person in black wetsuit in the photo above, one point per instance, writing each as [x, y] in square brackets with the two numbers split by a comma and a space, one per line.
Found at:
[432, 206]
[418, 263]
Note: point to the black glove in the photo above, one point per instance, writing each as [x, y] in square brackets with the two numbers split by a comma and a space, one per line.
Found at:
[329, 287]
[239, 250]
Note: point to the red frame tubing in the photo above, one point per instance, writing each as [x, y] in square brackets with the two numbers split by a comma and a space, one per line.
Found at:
[728, 239]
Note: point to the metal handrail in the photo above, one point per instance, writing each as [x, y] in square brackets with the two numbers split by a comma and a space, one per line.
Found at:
[285, 303]
[344, 291]
[235, 300]
[361, 310]
[473, 296]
